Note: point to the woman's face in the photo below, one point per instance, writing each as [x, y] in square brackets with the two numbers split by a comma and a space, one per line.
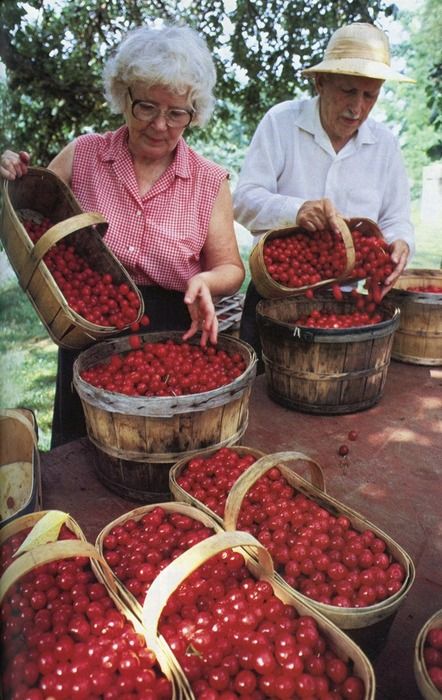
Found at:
[345, 101]
[154, 140]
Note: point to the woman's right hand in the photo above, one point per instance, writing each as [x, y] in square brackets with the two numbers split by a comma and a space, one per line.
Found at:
[14, 165]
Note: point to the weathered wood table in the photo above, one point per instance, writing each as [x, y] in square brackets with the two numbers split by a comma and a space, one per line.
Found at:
[392, 476]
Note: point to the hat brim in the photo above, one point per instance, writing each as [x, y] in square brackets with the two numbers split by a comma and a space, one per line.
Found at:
[360, 67]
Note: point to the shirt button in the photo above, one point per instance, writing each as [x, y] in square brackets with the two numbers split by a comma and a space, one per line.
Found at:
[139, 212]
[131, 248]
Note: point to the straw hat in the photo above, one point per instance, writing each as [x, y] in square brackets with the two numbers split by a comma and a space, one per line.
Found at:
[358, 49]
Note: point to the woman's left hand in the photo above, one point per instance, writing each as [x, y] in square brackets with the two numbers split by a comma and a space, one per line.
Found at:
[399, 252]
[202, 311]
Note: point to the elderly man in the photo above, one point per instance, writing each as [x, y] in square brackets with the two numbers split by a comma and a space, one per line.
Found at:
[312, 159]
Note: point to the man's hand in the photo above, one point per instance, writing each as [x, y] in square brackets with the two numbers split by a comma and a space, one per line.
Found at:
[399, 252]
[318, 215]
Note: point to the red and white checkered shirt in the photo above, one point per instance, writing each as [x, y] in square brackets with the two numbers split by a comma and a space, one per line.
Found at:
[158, 238]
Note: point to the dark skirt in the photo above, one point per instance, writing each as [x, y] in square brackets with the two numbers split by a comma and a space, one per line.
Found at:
[248, 330]
[167, 312]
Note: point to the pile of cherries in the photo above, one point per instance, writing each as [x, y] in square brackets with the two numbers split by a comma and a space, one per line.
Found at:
[333, 319]
[94, 296]
[166, 369]
[427, 289]
[210, 479]
[137, 550]
[317, 553]
[433, 656]
[304, 259]
[235, 639]
[63, 638]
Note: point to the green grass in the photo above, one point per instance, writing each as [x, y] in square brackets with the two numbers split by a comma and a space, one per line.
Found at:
[28, 356]
[28, 359]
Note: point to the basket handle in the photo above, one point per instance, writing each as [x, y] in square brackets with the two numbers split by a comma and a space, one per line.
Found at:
[57, 233]
[170, 578]
[349, 247]
[255, 471]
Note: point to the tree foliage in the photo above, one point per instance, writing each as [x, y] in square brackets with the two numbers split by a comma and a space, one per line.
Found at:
[417, 110]
[54, 53]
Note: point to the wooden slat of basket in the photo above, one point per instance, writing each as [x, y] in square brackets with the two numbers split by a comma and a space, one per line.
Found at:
[345, 618]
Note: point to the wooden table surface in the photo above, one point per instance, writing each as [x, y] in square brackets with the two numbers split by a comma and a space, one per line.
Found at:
[392, 476]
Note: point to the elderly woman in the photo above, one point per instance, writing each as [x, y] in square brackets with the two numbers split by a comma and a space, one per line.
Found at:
[169, 209]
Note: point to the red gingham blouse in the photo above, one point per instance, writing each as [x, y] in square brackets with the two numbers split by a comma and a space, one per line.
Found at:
[158, 238]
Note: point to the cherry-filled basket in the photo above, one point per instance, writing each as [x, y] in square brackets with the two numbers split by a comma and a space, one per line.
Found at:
[138, 438]
[256, 653]
[41, 195]
[421, 667]
[418, 295]
[324, 370]
[234, 454]
[84, 640]
[337, 263]
[287, 464]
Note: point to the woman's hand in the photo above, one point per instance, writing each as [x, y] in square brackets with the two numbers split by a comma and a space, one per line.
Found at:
[318, 215]
[14, 165]
[399, 252]
[202, 311]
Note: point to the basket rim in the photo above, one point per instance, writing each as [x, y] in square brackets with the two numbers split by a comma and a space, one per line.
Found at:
[383, 325]
[185, 403]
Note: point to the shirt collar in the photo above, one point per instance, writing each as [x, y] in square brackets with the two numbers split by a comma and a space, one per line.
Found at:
[117, 151]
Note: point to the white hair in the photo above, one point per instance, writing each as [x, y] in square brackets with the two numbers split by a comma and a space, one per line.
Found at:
[174, 57]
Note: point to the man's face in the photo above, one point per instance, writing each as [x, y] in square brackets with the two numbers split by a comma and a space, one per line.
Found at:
[345, 103]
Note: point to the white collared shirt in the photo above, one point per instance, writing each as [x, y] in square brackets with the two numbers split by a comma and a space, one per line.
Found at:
[291, 159]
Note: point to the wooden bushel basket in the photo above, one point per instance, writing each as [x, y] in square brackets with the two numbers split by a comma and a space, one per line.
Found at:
[20, 479]
[423, 680]
[418, 340]
[324, 370]
[139, 438]
[41, 194]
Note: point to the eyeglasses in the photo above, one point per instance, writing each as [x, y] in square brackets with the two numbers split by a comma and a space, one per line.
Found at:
[148, 112]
